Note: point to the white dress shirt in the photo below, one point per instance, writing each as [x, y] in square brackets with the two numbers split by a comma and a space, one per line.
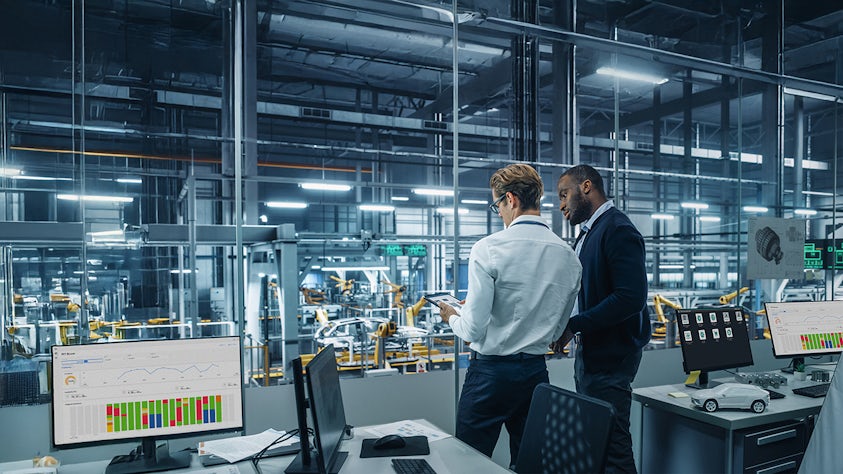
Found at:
[522, 283]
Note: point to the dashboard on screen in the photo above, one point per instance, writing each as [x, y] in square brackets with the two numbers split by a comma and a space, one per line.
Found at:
[162, 388]
[806, 328]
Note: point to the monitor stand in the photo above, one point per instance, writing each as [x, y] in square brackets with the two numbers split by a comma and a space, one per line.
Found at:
[795, 363]
[298, 467]
[148, 458]
[702, 382]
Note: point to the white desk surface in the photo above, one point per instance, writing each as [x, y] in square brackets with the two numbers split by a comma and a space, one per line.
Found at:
[448, 455]
[791, 406]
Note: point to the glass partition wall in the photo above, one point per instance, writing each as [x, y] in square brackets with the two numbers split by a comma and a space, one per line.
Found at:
[341, 152]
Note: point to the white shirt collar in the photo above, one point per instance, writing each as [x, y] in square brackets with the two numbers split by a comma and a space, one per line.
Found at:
[599, 212]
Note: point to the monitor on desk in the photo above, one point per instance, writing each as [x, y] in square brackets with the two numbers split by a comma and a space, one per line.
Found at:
[322, 381]
[805, 328]
[146, 390]
[713, 339]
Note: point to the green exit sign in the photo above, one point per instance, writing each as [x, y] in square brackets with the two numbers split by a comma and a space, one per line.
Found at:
[393, 250]
[415, 250]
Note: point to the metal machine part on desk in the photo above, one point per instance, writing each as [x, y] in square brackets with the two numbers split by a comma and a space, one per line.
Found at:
[762, 379]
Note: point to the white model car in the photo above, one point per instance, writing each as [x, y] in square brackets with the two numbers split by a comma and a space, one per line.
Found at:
[732, 395]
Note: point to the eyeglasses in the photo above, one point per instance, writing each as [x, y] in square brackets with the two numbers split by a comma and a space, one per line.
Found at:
[494, 206]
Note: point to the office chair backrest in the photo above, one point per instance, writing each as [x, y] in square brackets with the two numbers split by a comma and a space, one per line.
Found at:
[566, 432]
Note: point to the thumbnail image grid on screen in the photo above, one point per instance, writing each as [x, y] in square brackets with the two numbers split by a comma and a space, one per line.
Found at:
[713, 339]
[159, 389]
[805, 328]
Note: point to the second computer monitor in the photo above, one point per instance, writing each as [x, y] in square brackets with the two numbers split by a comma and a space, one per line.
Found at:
[806, 328]
[713, 339]
[326, 409]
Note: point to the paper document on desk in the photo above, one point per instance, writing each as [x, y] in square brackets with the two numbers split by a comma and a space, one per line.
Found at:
[241, 447]
[407, 428]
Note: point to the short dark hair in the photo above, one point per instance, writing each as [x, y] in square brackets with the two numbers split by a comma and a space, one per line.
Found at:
[521, 180]
[581, 173]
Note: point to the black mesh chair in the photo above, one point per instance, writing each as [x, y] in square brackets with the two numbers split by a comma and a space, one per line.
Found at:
[565, 433]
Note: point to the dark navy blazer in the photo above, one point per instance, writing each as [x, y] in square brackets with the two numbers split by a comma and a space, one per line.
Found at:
[613, 319]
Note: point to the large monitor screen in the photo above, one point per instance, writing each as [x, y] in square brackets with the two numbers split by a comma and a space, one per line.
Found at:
[806, 328]
[713, 338]
[159, 389]
[326, 405]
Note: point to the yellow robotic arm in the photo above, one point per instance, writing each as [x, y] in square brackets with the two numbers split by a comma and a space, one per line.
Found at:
[658, 301]
[726, 299]
[345, 286]
[414, 311]
[398, 293]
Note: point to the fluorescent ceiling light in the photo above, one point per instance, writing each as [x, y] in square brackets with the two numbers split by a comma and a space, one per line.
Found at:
[400, 198]
[759, 209]
[9, 172]
[325, 186]
[377, 207]
[355, 269]
[263, 218]
[91, 197]
[609, 71]
[709, 219]
[662, 217]
[450, 210]
[547, 204]
[810, 95]
[694, 205]
[39, 178]
[129, 180]
[315, 267]
[474, 201]
[434, 192]
[286, 204]
[177, 271]
[818, 193]
[805, 212]
[671, 267]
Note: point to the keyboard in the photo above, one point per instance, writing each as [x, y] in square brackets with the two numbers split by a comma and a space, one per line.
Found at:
[813, 391]
[774, 395]
[412, 466]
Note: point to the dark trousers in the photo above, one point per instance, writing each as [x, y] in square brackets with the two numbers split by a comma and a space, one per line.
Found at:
[614, 387]
[495, 393]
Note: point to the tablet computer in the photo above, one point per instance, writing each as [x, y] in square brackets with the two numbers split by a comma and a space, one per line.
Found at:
[444, 297]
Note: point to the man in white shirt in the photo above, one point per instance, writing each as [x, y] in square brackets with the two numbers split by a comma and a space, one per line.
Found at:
[522, 284]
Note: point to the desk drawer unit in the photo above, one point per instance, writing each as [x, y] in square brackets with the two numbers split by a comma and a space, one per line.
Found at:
[758, 449]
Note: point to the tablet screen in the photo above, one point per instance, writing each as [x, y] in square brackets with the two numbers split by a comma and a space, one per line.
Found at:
[448, 298]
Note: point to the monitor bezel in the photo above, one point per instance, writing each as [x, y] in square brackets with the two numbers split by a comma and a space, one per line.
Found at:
[135, 439]
[716, 367]
[806, 354]
[324, 463]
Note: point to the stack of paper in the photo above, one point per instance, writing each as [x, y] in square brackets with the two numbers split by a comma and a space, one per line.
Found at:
[243, 447]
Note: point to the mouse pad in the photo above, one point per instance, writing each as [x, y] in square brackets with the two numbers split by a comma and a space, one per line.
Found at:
[416, 446]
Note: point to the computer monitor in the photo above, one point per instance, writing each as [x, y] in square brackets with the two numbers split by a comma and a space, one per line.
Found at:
[146, 390]
[327, 413]
[713, 339]
[805, 328]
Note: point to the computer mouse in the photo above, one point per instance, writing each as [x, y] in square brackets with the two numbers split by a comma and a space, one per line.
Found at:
[392, 441]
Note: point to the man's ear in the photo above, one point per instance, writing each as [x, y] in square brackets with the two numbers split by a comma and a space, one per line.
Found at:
[586, 186]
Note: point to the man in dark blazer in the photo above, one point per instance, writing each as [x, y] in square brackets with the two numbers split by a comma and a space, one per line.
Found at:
[611, 316]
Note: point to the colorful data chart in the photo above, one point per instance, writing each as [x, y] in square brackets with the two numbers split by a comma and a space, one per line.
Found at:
[148, 414]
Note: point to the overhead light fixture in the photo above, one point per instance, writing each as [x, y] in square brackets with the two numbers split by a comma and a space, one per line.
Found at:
[805, 212]
[177, 271]
[377, 207]
[355, 269]
[809, 94]
[662, 217]
[450, 210]
[758, 209]
[433, 192]
[263, 218]
[475, 201]
[95, 198]
[671, 266]
[547, 204]
[8, 172]
[709, 219]
[325, 186]
[610, 71]
[693, 205]
[129, 180]
[39, 178]
[286, 204]
[400, 198]
[315, 267]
